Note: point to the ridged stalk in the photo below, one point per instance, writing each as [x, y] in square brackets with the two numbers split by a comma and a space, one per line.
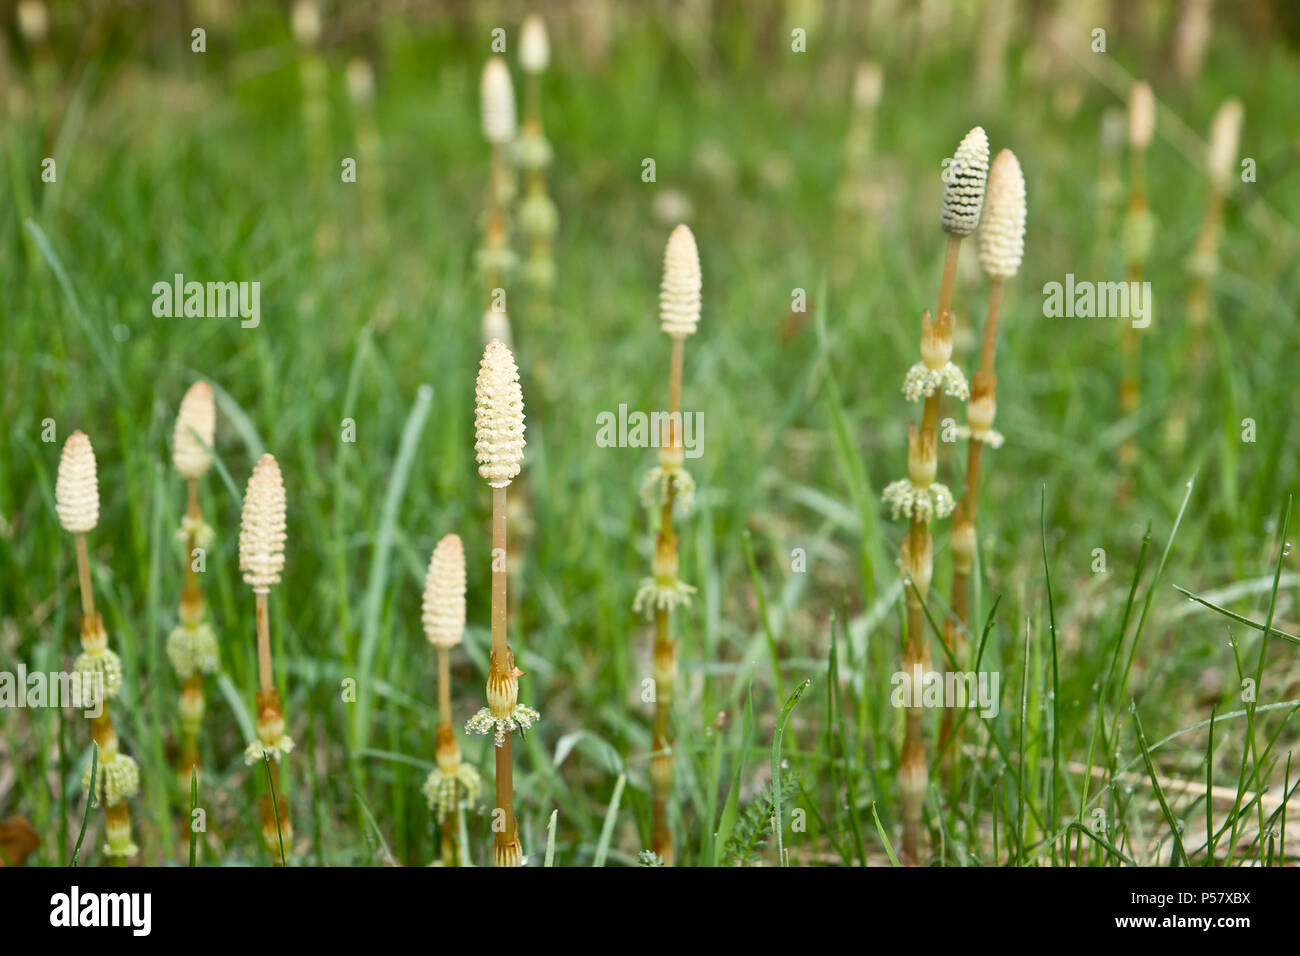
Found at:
[361, 90]
[919, 496]
[537, 216]
[913, 771]
[664, 661]
[451, 826]
[1138, 237]
[452, 782]
[1001, 249]
[964, 525]
[666, 487]
[495, 258]
[191, 610]
[506, 850]
[499, 449]
[1221, 159]
[98, 670]
[277, 829]
[261, 559]
[192, 644]
[314, 78]
[117, 815]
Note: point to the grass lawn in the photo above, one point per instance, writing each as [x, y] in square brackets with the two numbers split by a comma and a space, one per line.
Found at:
[817, 224]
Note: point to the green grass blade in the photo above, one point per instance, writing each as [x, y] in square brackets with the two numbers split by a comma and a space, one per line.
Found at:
[275, 807]
[550, 839]
[378, 582]
[194, 803]
[1232, 615]
[884, 837]
[1160, 793]
[90, 791]
[731, 806]
[611, 817]
[1056, 676]
[374, 828]
[776, 767]
[761, 596]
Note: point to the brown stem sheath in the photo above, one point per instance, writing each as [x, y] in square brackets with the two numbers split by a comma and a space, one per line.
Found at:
[956, 635]
[912, 766]
[451, 832]
[505, 839]
[191, 612]
[664, 655]
[508, 834]
[101, 727]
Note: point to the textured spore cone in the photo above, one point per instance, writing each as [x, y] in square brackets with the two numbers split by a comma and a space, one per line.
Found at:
[1225, 136]
[262, 527]
[444, 593]
[1002, 229]
[76, 489]
[534, 46]
[679, 295]
[198, 415]
[498, 416]
[498, 102]
[963, 192]
[1141, 116]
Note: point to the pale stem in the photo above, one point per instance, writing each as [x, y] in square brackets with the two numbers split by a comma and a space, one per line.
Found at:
[500, 656]
[675, 375]
[191, 579]
[444, 686]
[1138, 175]
[661, 836]
[918, 539]
[83, 578]
[496, 213]
[533, 101]
[499, 574]
[949, 276]
[990, 345]
[506, 792]
[264, 646]
[974, 449]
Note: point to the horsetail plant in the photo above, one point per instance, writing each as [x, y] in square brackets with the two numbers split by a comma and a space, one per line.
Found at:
[1138, 235]
[855, 191]
[499, 449]
[114, 776]
[918, 496]
[261, 559]
[664, 485]
[361, 91]
[538, 218]
[1221, 158]
[868, 87]
[306, 26]
[452, 782]
[1203, 263]
[192, 644]
[1001, 249]
[496, 259]
[1110, 181]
